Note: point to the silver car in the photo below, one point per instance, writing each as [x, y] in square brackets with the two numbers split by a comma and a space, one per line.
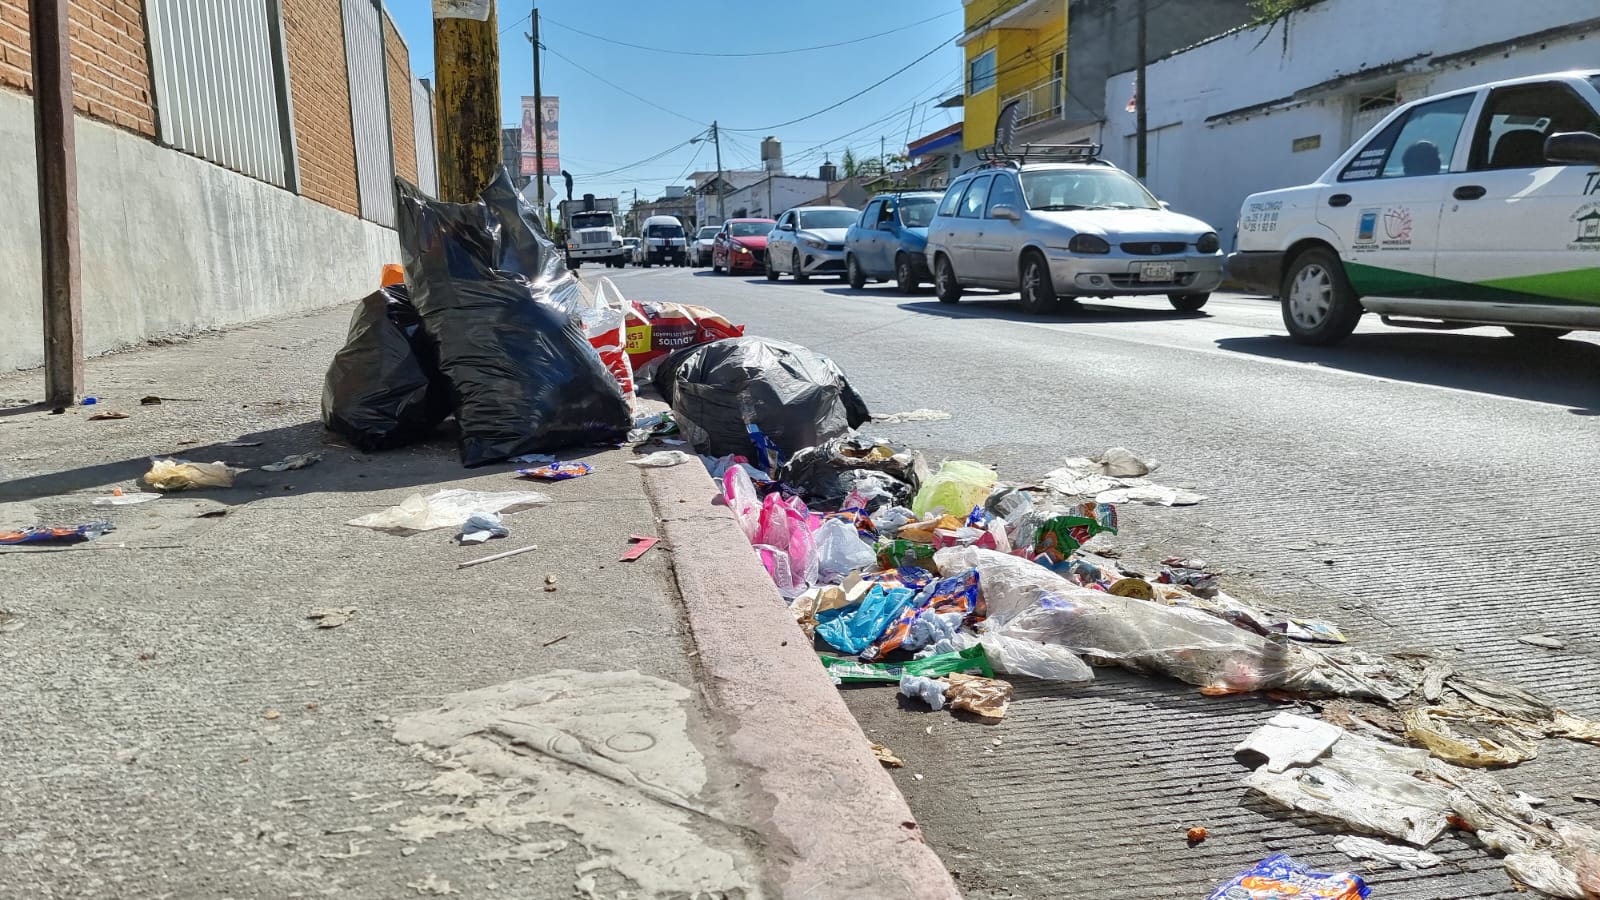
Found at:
[809, 240]
[700, 247]
[1062, 230]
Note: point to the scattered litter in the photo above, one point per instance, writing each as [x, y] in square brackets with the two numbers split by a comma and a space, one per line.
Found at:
[554, 641]
[985, 697]
[549, 579]
[107, 415]
[89, 401]
[1196, 835]
[492, 557]
[182, 475]
[1542, 640]
[929, 690]
[849, 670]
[1115, 476]
[1390, 854]
[1279, 877]
[271, 714]
[656, 330]
[331, 616]
[383, 388]
[956, 488]
[1471, 738]
[118, 498]
[9, 622]
[55, 534]
[656, 425]
[480, 527]
[446, 509]
[887, 757]
[295, 461]
[241, 443]
[557, 471]
[641, 545]
[1287, 740]
[532, 459]
[151, 400]
[662, 459]
[433, 884]
[915, 415]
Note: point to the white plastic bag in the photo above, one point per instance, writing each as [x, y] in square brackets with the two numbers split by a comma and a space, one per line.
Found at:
[446, 509]
[183, 475]
[662, 459]
[840, 550]
[1020, 656]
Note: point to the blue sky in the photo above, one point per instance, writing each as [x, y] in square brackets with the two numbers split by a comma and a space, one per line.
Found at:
[603, 129]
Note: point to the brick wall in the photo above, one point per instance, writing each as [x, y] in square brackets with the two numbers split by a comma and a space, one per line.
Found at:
[399, 65]
[320, 89]
[110, 69]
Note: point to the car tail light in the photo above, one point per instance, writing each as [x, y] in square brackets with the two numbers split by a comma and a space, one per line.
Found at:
[1088, 243]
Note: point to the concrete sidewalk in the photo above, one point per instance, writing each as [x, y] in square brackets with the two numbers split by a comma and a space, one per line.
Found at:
[174, 726]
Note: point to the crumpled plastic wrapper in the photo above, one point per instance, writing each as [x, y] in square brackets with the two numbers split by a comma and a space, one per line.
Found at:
[986, 697]
[446, 509]
[182, 475]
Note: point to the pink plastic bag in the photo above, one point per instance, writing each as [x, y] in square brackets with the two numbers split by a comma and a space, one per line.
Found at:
[739, 492]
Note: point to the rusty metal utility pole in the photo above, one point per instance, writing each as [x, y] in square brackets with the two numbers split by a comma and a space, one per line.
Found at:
[466, 57]
[57, 166]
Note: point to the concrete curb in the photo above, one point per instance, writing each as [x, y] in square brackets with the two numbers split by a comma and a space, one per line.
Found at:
[837, 823]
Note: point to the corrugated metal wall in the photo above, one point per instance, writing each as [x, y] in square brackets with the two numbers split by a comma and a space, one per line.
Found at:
[221, 92]
[369, 109]
[422, 123]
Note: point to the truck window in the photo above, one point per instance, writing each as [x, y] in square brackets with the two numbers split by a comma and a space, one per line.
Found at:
[1516, 120]
[592, 220]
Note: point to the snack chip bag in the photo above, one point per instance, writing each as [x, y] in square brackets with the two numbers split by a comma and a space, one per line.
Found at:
[1279, 877]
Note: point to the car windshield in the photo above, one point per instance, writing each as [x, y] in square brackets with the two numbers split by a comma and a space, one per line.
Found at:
[827, 218]
[664, 231]
[917, 212]
[591, 220]
[1055, 189]
[707, 233]
[750, 229]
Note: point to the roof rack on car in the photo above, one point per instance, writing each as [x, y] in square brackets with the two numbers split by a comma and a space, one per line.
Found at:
[1002, 155]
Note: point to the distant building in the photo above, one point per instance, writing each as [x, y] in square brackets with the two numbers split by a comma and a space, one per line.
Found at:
[511, 156]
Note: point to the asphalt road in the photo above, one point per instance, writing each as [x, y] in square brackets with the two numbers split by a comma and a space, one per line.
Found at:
[1425, 490]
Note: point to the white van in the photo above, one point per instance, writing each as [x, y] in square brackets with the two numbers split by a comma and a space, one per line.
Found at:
[664, 242]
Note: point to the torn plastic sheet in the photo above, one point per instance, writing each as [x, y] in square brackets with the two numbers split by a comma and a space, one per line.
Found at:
[446, 509]
[1287, 740]
[1471, 738]
[1409, 858]
[1552, 855]
[1026, 600]
[1115, 476]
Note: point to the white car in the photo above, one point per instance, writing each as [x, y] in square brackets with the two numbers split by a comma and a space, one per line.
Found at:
[700, 247]
[1474, 207]
[1068, 229]
[809, 240]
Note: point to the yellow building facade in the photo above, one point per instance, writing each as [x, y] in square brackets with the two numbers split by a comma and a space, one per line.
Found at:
[1015, 50]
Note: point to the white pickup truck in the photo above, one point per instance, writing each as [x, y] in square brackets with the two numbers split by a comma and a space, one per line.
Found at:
[1475, 207]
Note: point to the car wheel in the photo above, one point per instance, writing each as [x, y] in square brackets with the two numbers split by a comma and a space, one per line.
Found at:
[904, 279]
[1319, 306]
[1188, 302]
[772, 274]
[1537, 334]
[853, 273]
[1038, 290]
[800, 275]
[944, 281]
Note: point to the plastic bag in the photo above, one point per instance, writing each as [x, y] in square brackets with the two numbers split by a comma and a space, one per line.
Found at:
[840, 551]
[182, 475]
[446, 509]
[662, 459]
[1053, 527]
[604, 324]
[985, 697]
[794, 397]
[1474, 739]
[829, 472]
[488, 286]
[970, 659]
[1279, 877]
[739, 492]
[853, 629]
[1409, 858]
[383, 388]
[929, 690]
[655, 330]
[1029, 601]
[783, 540]
[957, 594]
[956, 488]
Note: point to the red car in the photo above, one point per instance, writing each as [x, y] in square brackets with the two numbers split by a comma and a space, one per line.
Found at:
[741, 246]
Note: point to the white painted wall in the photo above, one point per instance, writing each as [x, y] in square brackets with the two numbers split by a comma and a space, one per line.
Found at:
[1207, 170]
[171, 243]
[786, 191]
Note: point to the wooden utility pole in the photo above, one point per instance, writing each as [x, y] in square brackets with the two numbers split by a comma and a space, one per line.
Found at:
[466, 57]
[538, 115]
[57, 164]
[1142, 138]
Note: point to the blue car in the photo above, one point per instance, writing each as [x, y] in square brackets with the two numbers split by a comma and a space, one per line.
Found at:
[889, 239]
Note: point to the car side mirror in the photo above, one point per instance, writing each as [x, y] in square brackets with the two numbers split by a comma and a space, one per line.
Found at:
[1164, 204]
[786, 227]
[1573, 148]
[1004, 211]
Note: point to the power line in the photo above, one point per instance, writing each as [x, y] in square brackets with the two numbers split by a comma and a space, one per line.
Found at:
[602, 80]
[864, 90]
[749, 54]
[646, 161]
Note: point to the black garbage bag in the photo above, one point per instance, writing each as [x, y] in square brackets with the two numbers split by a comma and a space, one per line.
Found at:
[383, 388]
[486, 283]
[826, 474]
[796, 398]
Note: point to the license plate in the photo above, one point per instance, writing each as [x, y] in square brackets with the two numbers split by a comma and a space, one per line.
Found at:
[1155, 272]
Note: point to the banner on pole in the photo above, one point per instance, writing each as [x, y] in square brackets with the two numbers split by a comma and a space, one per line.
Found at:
[552, 136]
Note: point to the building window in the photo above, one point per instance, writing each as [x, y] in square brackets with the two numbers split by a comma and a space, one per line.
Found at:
[1387, 98]
[980, 73]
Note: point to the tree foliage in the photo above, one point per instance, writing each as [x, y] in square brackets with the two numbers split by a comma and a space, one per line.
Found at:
[1270, 10]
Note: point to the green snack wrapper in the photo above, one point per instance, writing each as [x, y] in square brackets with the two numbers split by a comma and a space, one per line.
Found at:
[969, 660]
